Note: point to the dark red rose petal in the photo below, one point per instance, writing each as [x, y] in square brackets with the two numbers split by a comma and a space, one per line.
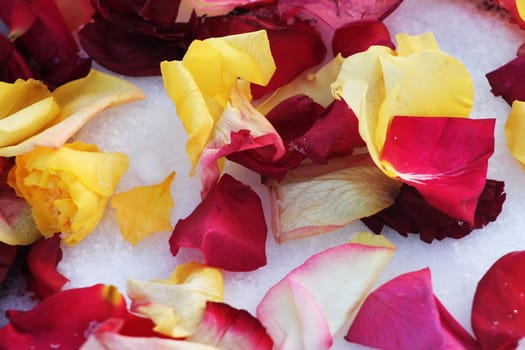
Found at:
[334, 134]
[404, 314]
[63, 320]
[341, 12]
[12, 65]
[7, 258]
[498, 310]
[43, 278]
[358, 36]
[508, 81]
[228, 226]
[411, 213]
[225, 327]
[445, 158]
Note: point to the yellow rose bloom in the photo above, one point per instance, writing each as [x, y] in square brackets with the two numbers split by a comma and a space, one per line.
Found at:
[67, 188]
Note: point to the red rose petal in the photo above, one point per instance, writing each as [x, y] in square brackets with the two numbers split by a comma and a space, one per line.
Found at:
[411, 213]
[7, 258]
[341, 12]
[64, 320]
[230, 219]
[43, 278]
[445, 159]
[225, 327]
[404, 314]
[358, 36]
[12, 65]
[510, 6]
[498, 309]
[508, 81]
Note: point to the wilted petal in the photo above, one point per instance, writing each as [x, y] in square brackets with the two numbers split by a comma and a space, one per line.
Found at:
[144, 210]
[78, 101]
[358, 36]
[404, 314]
[338, 13]
[445, 159]
[305, 308]
[230, 219]
[508, 81]
[411, 213]
[498, 308]
[228, 328]
[176, 305]
[76, 314]
[313, 200]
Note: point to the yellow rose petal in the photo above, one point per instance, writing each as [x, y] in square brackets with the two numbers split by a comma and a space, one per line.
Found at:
[515, 131]
[520, 6]
[144, 210]
[177, 305]
[20, 94]
[408, 44]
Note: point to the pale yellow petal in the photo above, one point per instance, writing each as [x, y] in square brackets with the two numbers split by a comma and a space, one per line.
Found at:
[520, 5]
[515, 131]
[177, 305]
[307, 203]
[371, 239]
[144, 210]
[313, 84]
[408, 44]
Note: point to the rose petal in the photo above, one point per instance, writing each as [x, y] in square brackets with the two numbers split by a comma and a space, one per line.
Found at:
[76, 313]
[312, 200]
[228, 328]
[177, 305]
[144, 210]
[217, 7]
[7, 258]
[339, 13]
[508, 81]
[304, 309]
[516, 9]
[358, 36]
[43, 278]
[497, 309]
[404, 314]
[12, 65]
[111, 341]
[75, 14]
[411, 213]
[229, 219]
[445, 159]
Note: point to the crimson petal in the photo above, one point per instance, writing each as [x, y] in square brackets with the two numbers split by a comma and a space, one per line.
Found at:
[404, 314]
[508, 81]
[358, 36]
[341, 12]
[12, 65]
[63, 320]
[498, 309]
[411, 213]
[43, 278]
[230, 219]
[445, 158]
[7, 258]
[225, 327]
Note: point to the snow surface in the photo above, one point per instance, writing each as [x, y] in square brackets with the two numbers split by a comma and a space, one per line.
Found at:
[153, 137]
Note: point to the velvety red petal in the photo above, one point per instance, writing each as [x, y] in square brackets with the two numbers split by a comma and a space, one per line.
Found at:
[358, 36]
[43, 278]
[7, 258]
[508, 81]
[445, 159]
[230, 219]
[225, 327]
[411, 213]
[127, 44]
[285, 43]
[49, 44]
[64, 320]
[334, 134]
[132, 325]
[498, 309]
[339, 13]
[12, 65]
[162, 13]
[404, 314]
[76, 13]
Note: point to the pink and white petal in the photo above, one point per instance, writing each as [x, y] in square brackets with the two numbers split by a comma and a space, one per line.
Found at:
[114, 341]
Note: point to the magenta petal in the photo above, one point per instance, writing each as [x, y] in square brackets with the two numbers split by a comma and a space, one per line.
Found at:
[358, 36]
[228, 226]
[508, 81]
[404, 314]
[498, 309]
[225, 327]
[42, 261]
[445, 159]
